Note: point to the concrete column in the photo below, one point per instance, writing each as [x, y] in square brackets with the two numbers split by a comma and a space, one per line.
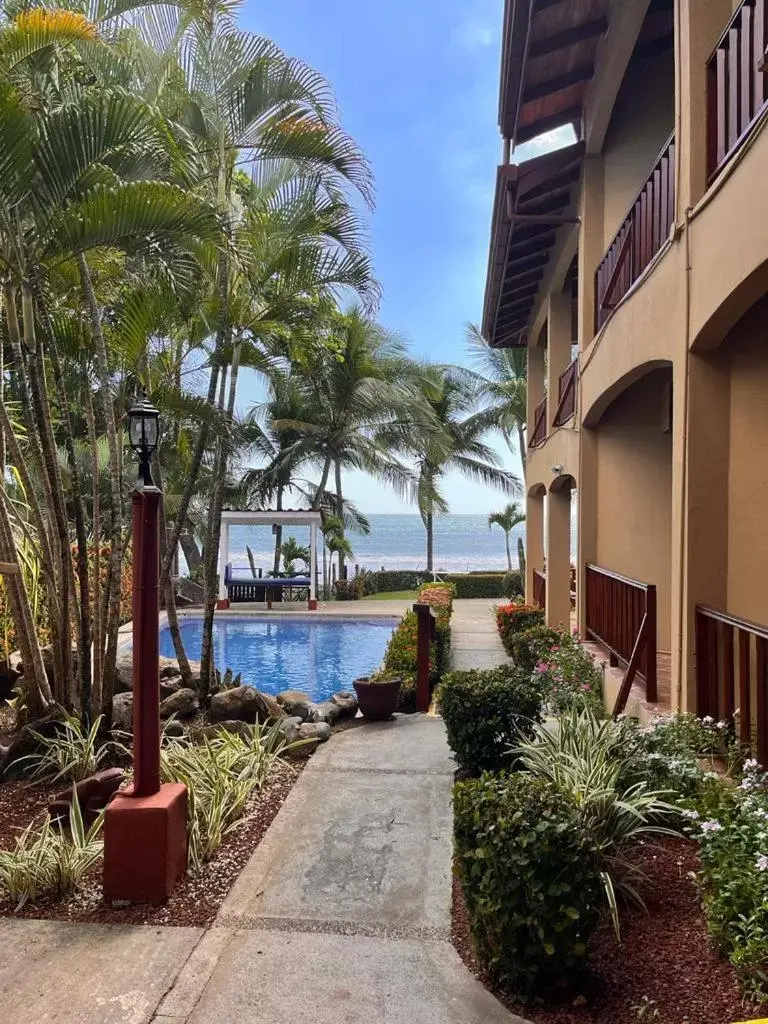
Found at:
[535, 391]
[534, 539]
[558, 346]
[223, 559]
[312, 565]
[558, 612]
[587, 519]
[591, 244]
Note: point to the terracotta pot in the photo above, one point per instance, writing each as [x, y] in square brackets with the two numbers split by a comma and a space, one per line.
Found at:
[377, 700]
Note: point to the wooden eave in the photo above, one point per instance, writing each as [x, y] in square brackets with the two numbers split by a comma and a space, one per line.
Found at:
[520, 249]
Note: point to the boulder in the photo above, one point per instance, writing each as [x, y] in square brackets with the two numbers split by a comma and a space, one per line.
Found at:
[320, 731]
[122, 712]
[290, 728]
[346, 702]
[325, 711]
[173, 730]
[303, 750]
[210, 732]
[245, 703]
[124, 670]
[169, 685]
[26, 740]
[183, 703]
[169, 668]
[295, 702]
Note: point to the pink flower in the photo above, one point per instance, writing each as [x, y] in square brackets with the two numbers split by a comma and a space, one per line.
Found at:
[585, 686]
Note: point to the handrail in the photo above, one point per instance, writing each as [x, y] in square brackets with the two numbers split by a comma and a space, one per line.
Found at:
[733, 620]
[737, 93]
[617, 576]
[539, 435]
[566, 406]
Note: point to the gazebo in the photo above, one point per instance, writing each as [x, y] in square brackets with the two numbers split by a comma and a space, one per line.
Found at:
[268, 517]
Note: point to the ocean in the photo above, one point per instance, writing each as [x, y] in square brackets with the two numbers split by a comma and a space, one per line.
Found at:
[462, 542]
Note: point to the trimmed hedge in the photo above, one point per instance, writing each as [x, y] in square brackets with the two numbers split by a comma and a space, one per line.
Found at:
[531, 890]
[528, 646]
[490, 584]
[486, 712]
[514, 618]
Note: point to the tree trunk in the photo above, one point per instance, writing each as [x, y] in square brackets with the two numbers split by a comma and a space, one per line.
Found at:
[340, 516]
[191, 551]
[98, 634]
[521, 558]
[428, 523]
[509, 555]
[170, 594]
[318, 502]
[112, 618]
[278, 531]
[521, 445]
[325, 570]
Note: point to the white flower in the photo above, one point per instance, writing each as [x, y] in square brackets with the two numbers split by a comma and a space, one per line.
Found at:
[720, 725]
[707, 720]
[691, 815]
[711, 826]
[762, 863]
[752, 765]
[750, 782]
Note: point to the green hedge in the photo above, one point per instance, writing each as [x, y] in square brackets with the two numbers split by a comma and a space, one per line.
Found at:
[512, 619]
[489, 584]
[528, 646]
[532, 893]
[487, 711]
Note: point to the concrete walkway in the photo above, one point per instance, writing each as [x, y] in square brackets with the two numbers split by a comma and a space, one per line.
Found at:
[475, 641]
[344, 912]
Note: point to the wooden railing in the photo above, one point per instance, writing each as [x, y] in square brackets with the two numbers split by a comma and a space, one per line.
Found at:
[539, 588]
[566, 404]
[425, 633]
[642, 233]
[539, 435]
[621, 615]
[737, 90]
[731, 669]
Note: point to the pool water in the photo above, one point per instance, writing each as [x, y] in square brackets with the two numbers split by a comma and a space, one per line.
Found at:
[314, 654]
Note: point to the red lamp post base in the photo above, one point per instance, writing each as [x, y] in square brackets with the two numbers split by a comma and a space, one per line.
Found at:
[313, 604]
[145, 844]
[222, 604]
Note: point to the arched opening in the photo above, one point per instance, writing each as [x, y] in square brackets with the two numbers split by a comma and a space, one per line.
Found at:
[561, 543]
[535, 578]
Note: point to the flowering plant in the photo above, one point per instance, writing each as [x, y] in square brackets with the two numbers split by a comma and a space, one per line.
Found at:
[568, 676]
[512, 619]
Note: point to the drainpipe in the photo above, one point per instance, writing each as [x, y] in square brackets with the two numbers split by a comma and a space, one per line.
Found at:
[682, 674]
[506, 152]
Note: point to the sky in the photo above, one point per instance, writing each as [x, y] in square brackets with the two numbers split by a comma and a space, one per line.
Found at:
[417, 86]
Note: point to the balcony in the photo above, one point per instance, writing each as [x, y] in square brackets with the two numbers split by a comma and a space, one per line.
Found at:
[566, 398]
[642, 233]
[539, 435]
[737, 91]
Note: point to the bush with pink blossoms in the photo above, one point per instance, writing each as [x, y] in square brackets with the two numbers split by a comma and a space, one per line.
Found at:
[568, 676]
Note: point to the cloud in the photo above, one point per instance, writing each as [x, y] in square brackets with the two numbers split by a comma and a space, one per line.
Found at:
[473, 34]
[546, 143]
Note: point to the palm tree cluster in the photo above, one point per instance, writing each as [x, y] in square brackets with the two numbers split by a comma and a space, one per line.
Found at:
[179, 204]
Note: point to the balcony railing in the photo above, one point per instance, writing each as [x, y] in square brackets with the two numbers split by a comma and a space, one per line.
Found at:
[737, 91]
[539, 435]
[539, 588]
[728, 651]
[621, 615]
[566, 404]
[642, 233]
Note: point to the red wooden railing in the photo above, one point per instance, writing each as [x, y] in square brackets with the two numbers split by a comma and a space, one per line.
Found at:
[642, 233]
[425, 634]
[621, 615]
[539, 588]
[737, 90]
[566, 405]
[728, 651]
[539, 434]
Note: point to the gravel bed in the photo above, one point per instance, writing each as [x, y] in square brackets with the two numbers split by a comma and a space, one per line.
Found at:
[196, 899]
[665, 959]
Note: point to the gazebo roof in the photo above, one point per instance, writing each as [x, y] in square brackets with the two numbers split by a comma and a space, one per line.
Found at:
[268, 516]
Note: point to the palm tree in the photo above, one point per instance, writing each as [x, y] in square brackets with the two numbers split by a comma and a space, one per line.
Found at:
[509, 517]
[501, 378]
[293, 552]
[456, 443]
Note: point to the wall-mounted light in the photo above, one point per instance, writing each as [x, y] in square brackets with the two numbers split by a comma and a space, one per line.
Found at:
[557, 470]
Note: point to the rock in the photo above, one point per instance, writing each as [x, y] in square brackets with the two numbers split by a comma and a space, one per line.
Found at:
[210, 732]
[183, 703]
[173, 730]
[124, 670]
[315, 730]
[26, 741]
[295, 702]
[122, 712]
[346, 702]
[325, 711]
[290, 728]
[245, 703]
[304, 749]
[92, 795]
[169, 668]
[170, 685]
[9, 677]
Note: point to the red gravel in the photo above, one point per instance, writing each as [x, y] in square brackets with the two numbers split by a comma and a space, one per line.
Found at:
[195, 900]
[665, 957]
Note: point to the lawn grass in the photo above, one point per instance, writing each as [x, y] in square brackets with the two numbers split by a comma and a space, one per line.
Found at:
[394, 595]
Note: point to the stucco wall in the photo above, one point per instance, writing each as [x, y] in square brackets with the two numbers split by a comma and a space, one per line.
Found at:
[747, 349]
[634, 480]
[642, 121]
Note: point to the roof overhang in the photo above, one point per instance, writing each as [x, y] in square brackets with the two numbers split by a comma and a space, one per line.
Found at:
[549, 52]
[266, 517]
[532, 201]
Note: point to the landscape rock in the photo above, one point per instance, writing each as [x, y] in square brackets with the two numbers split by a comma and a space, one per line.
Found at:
[169, 685]
[346, 702]
[210, 732]
[315, 730]
[183, 703]
[124, 670]
[304, 750]
[174, 729]
[26, 741]
[296, 702]
[122, 712]
[290, 728]
[168, 672]
[169, 668]
[245, 703]
[325, 711]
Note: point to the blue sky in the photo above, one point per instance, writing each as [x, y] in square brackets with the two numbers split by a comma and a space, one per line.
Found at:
[417, 85]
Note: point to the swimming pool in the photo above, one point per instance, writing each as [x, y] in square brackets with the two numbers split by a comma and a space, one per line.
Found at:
[310, 653]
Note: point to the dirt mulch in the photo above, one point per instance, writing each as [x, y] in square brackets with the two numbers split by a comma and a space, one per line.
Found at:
[665, 960]
[196, 899]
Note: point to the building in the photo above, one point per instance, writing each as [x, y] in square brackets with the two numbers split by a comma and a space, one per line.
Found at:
[633, 265]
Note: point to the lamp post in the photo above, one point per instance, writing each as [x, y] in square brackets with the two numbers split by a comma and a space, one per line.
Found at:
[145, 839]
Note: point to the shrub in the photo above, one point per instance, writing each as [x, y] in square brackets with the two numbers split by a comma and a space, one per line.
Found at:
[71, 755]
[388, 580]
[400, 655]
[568, 676]
[531, 890]
[48, 862]
[514, 618]
[528, 647]
[486, 711]
[489, 584]
[514, 584]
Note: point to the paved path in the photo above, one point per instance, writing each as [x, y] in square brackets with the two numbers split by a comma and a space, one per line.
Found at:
[343, 914]
[475, 641]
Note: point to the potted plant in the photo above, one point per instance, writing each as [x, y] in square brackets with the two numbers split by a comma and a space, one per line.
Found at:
[377, 697]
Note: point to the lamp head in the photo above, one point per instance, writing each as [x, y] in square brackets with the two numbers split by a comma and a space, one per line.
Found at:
[144, 434]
